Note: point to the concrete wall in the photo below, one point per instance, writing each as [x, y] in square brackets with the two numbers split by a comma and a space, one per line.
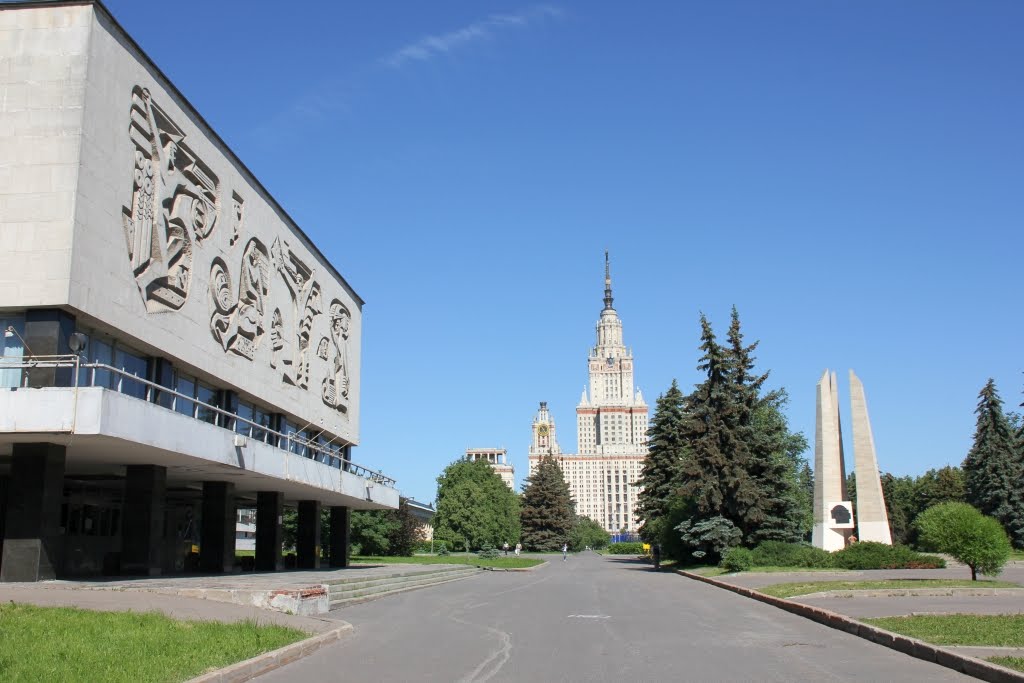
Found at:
[43, 63]
[162, 237]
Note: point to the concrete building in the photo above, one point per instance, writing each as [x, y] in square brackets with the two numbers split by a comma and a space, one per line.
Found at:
[611, 429]
[174, 345]
[497, 458]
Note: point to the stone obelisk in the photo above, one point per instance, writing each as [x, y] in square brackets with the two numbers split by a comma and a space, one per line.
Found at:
[829, 469]
[872, 520]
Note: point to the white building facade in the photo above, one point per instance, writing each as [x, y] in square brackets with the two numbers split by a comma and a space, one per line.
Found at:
[497, 458]
[611, 429]
[174, 347]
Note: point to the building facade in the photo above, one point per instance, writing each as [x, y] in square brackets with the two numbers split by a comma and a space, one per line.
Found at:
[174, 347]
[611, 430]
[497, 458]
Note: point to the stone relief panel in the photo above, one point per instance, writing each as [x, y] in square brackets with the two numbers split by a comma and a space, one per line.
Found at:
[237, 216]
[306, 306]
[174, 205]
[322, 348]
[335, 386]
[238, 323]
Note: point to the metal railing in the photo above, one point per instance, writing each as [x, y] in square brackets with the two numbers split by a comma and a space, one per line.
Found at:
[123, 381]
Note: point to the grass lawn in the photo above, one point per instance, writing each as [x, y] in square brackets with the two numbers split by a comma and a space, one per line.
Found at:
[1017, 556]
[1009, 662]
[788, 590]
[245, 553]
[999, 630]
[510, 562]
[66, 644]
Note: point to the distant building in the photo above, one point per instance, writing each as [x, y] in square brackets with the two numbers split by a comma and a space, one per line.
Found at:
[424, 515]
[498, 460]
[611, 429]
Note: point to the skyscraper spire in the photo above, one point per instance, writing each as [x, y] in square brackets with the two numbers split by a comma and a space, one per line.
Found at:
[607, 283]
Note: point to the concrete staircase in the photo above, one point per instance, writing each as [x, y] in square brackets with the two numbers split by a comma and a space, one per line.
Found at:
[344, 592]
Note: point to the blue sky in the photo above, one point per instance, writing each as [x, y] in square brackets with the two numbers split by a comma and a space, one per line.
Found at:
[848, 174]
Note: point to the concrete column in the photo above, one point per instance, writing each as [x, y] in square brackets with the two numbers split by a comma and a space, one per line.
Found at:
[829, 469]
[340, 517]
[142, 537]
[47, 331]
[307, 540]
[32, 537]
[872, 520]
[217, 542]
[269, 509]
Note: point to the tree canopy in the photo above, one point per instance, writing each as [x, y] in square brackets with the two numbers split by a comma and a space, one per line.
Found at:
[962, 531]
[475, 508]
[660, 473]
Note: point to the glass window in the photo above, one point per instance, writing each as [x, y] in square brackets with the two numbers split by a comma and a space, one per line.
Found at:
[293, 435]
[208, 395]
[132, 364]
[101, 352]
[184, 384]
[12, 348]
[245, 411]
[262, 418]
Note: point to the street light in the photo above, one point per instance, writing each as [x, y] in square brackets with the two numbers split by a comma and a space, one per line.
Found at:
[11, 332]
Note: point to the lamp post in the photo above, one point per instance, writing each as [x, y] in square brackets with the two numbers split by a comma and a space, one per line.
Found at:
[11, 332]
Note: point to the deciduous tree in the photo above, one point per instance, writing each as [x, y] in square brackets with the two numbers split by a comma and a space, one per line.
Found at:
[474, 506]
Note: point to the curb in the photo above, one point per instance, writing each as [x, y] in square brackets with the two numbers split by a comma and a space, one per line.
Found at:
[971, 666]
[268, 661]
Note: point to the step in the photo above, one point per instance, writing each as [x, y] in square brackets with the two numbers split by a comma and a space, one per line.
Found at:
[345, 602]
[379, 586]
[399, 575]
[366, 582]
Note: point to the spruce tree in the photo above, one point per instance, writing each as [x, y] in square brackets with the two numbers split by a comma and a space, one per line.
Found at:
[713, 477]
[660, 474]
[993, 469]
[548, 511]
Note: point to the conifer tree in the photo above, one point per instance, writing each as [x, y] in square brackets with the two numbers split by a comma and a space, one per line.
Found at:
[548, 511]
[761, 425]
[660, 474]
[993, 469]
[713, 476]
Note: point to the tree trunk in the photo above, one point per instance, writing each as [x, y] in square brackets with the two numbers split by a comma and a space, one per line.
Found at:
[974, 573]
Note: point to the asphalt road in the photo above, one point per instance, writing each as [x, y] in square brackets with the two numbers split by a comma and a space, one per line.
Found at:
[593, 619]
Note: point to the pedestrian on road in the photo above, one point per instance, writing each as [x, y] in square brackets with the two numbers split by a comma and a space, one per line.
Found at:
[519, 546]
[565, 550]
[505, 546]
[656, 556]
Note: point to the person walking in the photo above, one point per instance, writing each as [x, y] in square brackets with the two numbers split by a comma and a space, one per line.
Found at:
[519, 546]
[656, 556]
[505, 546]
[565, 550]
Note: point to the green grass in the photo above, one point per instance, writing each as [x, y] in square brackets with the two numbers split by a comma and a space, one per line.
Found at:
[1009, 662]
[1017, 556]
[788, 590]
[1000, 630]
[509, 562]
[66, 644]
[245, 553]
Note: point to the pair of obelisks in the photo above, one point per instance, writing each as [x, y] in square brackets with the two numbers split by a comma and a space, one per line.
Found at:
[835, 518]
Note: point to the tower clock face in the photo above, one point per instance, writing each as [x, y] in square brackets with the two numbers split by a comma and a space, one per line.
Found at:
[542, 430]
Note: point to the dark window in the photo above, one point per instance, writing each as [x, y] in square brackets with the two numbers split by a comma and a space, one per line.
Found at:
[208, 395]
[185, 385]
[132, 364]
[245, 411]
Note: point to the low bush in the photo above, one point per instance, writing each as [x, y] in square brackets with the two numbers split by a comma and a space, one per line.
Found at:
[488, 553]
[441, 548]
[626, 548]
[871, 555]
[737, 559]
[779, 554]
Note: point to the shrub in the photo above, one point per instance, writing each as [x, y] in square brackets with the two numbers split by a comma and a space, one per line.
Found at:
[962, 531]
[626, 548]
[708, 539]
[440, 548]
[488, 553]
[737, 559]
[872, 555]
[780, 554]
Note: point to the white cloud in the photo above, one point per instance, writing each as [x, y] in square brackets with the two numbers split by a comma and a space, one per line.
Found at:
[431, 46]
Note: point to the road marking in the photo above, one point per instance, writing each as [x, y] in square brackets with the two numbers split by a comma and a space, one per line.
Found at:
[589, 616]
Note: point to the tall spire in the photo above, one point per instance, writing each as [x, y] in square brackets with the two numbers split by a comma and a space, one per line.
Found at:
[607, 283]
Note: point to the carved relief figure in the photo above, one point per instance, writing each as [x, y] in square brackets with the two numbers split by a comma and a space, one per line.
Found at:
[174, 204]
[279, 354]
[305, 295]
[336, 385]
[238, 324]
[237, 209]
[321, 348]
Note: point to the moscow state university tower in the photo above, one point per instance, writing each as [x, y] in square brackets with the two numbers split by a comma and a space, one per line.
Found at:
[611, 429]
